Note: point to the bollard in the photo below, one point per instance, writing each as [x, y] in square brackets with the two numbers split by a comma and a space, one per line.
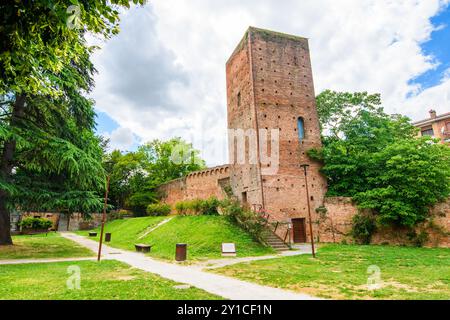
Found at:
[181, 252]
[107, 237]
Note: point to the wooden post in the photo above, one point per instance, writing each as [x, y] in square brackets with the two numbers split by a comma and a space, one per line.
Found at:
[305, 167]
[103, 219]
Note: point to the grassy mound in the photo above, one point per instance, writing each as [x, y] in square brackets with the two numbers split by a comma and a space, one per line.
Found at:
[204, 236]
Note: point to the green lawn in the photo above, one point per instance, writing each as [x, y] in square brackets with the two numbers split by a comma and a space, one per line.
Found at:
[203, 234]
[341, 272]
[125, 233]
[51, 245]
[108, 280]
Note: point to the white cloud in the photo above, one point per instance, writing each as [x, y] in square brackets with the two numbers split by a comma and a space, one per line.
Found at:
[120, 139]
[164, 75]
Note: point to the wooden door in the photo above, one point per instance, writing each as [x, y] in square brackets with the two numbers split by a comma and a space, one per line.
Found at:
[299, 228]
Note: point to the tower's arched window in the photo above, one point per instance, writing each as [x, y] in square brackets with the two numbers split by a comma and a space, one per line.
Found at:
[301, 129]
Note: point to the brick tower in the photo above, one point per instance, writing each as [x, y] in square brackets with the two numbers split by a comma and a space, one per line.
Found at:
[270, 87]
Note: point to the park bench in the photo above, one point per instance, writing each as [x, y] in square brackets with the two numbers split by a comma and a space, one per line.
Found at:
[145, 248]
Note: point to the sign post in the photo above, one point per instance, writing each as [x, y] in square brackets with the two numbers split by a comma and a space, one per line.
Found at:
[305, 167]
[103, 219]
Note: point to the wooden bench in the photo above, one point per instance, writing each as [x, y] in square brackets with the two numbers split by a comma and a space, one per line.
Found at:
[145, 248]
[92, 234]
[37, 233]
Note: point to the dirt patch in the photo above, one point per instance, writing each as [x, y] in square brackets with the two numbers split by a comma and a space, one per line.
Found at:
[392, 284]
[322, 291]
[126, 278]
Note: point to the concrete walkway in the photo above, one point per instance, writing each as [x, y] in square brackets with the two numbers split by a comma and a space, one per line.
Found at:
[28, 261]
[219, 263]
[225, 287]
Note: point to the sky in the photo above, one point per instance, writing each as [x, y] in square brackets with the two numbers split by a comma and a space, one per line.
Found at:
[163, 76]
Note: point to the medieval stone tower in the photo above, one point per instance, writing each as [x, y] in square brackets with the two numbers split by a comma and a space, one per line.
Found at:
[270, 89]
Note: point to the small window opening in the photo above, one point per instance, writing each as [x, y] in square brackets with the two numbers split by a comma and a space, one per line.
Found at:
[301, 129]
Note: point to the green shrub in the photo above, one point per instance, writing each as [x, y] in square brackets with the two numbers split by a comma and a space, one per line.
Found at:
[195, 206]
[418, 239]
[363, 227]
[198, 207]
[36, 223]
[181, 208]
[159, 209]
[120, 214]
[244, 218]
[211, 206]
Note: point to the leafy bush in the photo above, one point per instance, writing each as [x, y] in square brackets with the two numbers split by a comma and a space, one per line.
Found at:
[377, 159]
[181, 208]
[244, 218]
[363, 227]
[159, 209]
[418, 239]
[210, 207]
[207, 207]
[119, 214]
[36, 223]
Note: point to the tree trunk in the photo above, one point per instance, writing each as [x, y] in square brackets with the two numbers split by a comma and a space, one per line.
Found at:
[6, 166]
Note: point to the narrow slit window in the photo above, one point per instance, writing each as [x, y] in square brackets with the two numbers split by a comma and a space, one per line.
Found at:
[301, 129]
[239, 99]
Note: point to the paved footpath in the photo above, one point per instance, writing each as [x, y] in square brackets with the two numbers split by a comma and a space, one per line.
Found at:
[226, 287]
[220, 263]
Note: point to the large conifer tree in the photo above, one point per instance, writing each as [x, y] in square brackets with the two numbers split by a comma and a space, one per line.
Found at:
[49, 155]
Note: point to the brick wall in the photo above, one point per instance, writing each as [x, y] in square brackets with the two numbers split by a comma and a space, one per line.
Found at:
[270, 86]
[197, 185]
[340, 211]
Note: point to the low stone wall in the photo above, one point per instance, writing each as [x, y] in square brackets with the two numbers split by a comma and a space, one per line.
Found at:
[335, 225]
[60, 221]
[78, 223]
[197, 185]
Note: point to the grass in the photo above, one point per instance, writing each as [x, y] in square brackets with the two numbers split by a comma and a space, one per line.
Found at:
[341, 272]
[125, 233]
[51, 245]
[203, 234]
[108, 280]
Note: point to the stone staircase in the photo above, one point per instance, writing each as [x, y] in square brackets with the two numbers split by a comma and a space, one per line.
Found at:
[274, 241]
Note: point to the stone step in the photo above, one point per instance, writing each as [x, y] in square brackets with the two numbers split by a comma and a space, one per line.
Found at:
[281, 249]
[278, 245]
[274, 241]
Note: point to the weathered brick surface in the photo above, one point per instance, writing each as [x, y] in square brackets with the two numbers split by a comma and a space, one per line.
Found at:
[337, 224]
[197, 185]
[269, 86]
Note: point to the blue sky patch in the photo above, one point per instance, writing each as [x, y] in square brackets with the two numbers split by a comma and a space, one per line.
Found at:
[439, 48]
[105, 123]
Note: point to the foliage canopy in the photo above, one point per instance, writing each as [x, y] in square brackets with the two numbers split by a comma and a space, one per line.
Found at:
[378, 159]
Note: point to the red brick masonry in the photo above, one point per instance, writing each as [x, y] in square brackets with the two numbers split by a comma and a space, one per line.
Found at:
[340, 211]
[269, 87]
